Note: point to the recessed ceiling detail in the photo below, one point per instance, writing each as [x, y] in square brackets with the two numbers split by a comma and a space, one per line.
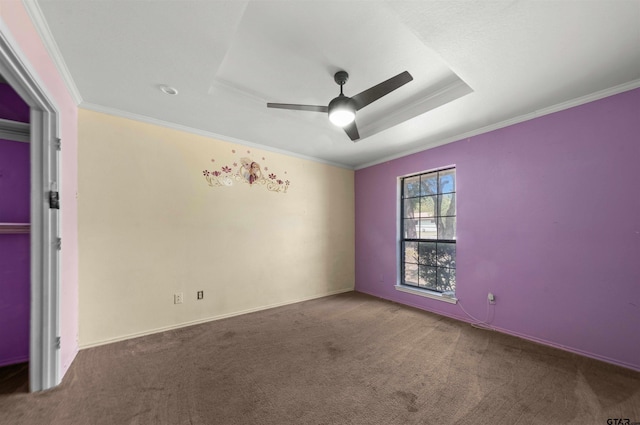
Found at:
[474, 65]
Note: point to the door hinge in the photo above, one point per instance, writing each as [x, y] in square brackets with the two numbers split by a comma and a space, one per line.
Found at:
[57, 142]
[58, 342]
[59, 244]
[54, 200]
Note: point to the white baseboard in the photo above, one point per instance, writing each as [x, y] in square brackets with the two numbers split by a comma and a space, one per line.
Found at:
[210, 319]
[492, 327]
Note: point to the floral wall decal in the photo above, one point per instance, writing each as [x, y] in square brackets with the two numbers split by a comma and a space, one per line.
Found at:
[247, 171]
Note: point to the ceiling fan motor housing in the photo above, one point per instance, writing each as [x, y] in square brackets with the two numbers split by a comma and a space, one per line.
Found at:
[341, 77]
[342, 102]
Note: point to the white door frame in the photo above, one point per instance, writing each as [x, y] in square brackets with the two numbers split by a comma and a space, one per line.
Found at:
[44, 347]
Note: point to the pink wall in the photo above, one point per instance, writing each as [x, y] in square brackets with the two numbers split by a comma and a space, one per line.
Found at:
[548, 220]
[14, 17]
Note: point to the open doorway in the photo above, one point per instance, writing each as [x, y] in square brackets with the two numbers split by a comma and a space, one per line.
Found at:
[44, 217]
[15, 290]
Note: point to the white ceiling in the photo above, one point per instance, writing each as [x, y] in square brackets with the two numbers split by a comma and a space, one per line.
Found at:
[477, 65]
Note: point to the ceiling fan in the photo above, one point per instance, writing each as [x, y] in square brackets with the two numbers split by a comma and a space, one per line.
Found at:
[342, 109]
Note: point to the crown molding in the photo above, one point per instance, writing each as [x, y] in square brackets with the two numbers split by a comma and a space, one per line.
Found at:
[526, 117]
[39, 22]
[179, 127]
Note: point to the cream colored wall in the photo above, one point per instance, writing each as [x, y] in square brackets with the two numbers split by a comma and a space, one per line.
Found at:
[150, 226]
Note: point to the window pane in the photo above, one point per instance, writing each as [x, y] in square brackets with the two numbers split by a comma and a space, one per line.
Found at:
[428, 277]
[427, 254]
[411, 228]
[428, 206]
[429, 184]
[428, 229]
[446, 228]
[411, 274]
[412, 186]
[447, 204]
[411, 208]
[428, 219]
[411, 252]
[447, 255]
[446, 280]
[447, 181]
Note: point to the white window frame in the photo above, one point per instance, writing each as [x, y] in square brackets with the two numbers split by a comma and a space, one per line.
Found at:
[422, 292]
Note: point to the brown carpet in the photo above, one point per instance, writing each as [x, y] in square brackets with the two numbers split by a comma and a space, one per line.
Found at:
[345, 359]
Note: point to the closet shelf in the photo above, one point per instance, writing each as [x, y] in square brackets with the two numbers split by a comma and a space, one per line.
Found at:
[12, 228]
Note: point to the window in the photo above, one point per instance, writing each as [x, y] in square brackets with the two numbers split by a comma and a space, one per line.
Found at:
[428, 231]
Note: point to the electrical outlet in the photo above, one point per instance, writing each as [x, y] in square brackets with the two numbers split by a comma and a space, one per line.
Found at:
[491, 298]
[200, 295]
[177, 298]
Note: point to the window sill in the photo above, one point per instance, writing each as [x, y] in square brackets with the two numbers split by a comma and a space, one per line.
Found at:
[428, 294]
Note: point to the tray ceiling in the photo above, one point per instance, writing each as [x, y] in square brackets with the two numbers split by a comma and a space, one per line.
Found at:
[476, 65]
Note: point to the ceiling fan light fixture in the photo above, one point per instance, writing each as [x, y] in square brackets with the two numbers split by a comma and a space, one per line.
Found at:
[342, 117]
[342, 111]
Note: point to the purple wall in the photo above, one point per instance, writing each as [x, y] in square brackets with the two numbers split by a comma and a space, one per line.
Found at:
[14, 253]
[548, 220]
[12, 107]
[14, 248]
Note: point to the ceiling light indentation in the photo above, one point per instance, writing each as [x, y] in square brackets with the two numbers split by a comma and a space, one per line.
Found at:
[168, 90]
